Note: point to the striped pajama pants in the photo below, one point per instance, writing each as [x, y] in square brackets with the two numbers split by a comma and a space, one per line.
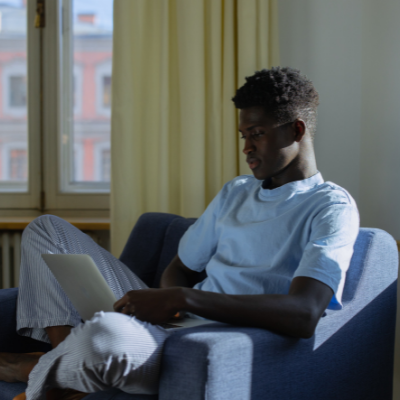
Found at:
[110, 350]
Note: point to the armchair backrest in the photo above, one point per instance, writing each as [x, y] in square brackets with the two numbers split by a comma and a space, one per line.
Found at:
[371, 248]
[154, 242]
[152, 245]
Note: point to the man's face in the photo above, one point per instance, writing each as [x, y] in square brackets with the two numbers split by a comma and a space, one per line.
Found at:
[269, 148]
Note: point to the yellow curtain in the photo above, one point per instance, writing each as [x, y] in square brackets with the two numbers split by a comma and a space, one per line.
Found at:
[176, 66]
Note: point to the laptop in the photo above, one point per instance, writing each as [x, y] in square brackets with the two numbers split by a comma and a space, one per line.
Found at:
[89, 292]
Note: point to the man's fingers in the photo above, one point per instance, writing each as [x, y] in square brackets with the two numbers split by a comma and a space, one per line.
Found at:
[128, 309]
[120, 304]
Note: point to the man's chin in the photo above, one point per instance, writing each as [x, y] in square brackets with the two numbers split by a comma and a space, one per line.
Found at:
[259, 175]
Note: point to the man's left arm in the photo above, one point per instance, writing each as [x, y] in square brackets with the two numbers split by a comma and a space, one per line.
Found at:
[296, 313]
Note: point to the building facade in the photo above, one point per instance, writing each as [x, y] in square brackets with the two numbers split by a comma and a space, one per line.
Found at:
[90, 97]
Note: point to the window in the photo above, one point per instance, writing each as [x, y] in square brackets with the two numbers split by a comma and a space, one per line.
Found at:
[14, 177]
[106, 165]
[17, 91]
[14, 83]
[102, 159]
[77, 89]
[18, 165]
[14, 162]
[103, 88]
[85, 119]
[107, 91]
[55, 94]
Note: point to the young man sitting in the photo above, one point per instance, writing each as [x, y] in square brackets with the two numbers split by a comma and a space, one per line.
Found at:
[276, 247]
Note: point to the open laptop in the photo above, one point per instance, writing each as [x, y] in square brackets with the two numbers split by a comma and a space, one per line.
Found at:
[89, 292]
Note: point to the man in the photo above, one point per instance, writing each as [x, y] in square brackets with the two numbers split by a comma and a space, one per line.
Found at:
[276, 247]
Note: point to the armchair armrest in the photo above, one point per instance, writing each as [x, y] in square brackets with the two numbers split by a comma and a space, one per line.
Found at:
[349, 357]
[10, 341]
[222, 362]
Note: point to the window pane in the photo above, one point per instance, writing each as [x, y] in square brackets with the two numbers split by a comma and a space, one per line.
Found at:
[88, 137]
[13, 96]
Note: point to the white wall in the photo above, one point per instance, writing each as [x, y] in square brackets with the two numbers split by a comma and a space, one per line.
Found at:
[380, 156]
[323, 39]
[350, 49]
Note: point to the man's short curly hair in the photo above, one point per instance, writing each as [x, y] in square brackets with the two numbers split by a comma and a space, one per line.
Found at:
[285, 94]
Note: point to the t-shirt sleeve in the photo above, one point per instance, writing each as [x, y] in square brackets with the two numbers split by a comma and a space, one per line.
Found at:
[328, 253]
[199, 243]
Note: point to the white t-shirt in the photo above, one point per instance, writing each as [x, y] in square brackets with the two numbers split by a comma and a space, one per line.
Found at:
[252, 240]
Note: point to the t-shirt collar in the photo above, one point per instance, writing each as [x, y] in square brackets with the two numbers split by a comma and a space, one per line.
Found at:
[290, 188]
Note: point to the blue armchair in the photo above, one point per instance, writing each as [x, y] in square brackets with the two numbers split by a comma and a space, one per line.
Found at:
[349, 357]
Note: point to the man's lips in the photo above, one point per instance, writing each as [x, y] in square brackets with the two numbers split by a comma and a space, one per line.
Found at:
[253, 162]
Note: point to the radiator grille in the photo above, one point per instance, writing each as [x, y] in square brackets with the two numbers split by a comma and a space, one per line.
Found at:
[10, 249]
[10, 254]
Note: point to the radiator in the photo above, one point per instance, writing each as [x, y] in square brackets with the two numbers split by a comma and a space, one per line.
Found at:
[10, 250]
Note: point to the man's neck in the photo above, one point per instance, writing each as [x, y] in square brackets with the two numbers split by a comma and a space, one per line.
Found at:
[298, 170]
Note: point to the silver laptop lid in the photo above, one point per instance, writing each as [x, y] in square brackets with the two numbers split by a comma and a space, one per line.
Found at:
[82, 282]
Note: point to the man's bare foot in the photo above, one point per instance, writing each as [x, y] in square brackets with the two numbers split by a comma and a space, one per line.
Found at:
[21, 396]
[16, 367]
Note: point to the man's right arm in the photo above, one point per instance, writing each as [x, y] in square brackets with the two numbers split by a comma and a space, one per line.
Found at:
[178, 274]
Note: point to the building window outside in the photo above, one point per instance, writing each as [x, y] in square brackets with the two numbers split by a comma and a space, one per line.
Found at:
[18, 165]
[107, 91]
[102, 161]
[106, 165]
[103, 88]
[14, 88]
[14, 161]
[17, 91]
[77, 96]
[77, 89]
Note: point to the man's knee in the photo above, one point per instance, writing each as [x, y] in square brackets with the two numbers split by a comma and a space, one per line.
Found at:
[120, 348]
[39, 224]
[114, 334]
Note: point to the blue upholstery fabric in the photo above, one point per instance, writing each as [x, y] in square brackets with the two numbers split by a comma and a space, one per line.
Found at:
[11, 342]
[9, 390]
[349, 357]
[170, 245]
[145, 244]
[9, 339]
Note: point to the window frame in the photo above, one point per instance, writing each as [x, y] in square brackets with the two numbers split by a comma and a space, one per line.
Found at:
[58, 23]
[17, 199]
[44, 124]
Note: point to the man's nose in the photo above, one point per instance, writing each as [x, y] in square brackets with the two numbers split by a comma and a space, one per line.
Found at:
[248, 146]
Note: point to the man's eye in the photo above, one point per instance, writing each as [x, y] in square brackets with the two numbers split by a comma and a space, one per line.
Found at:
[243, 137]
[258, 134]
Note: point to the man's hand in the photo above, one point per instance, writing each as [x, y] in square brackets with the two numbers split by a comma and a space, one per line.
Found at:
[156, 306]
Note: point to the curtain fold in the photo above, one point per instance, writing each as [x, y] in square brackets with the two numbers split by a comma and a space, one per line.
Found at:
[176, 66]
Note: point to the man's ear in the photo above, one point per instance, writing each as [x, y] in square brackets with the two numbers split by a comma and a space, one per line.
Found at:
[300, 129]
